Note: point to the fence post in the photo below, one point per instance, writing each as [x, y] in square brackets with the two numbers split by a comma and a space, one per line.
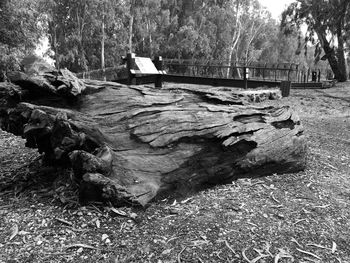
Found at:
[158, 62]
[276, 73]
[130, 63]
[290, 69]
[245, 77]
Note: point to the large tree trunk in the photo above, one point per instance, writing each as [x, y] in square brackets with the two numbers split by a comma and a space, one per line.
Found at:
[103, 67]
[137, 143]
[341, 54]
[336, 60]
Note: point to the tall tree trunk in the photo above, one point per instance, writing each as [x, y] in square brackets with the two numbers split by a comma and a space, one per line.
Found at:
[234, 41]
[149, 37]
[331, 56]
[80, 18]
[340, 53]
[103, 45]
[131, 22]
[55, 44]
[252, 36]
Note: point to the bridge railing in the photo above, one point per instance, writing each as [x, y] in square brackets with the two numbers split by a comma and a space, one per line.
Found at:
[109, 74]
[256, 71]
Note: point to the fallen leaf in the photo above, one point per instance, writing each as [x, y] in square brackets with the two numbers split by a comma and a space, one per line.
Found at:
[80, 245]
[14, 231]
[133, 215]
[104, 237]
[179, 255]
[267, 248]
[296, 242]
[23, 233]
[174, 211]
[254, 260]
[309, 253]
[282, 254]
[298, 221]
[334, 247]
[252, 224]
[198, 243]
[274, 199]
[167, 251]
[280, 216]
[321, 206]
[64, 221]
[317, 245]
[98, 224]
[230, 248]
[186, 200]
[118, 212]
[310, 260]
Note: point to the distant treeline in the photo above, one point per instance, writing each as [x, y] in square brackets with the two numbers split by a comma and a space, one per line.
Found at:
[92, 34]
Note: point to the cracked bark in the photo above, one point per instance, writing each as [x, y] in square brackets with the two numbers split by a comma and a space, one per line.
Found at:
[135, 143]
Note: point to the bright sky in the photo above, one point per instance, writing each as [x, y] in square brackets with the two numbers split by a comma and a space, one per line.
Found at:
[276, 7]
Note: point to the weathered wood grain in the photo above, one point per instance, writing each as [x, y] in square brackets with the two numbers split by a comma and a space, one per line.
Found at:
[136, 143]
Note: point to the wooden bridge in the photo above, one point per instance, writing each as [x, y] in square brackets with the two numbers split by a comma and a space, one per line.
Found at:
[215, 73]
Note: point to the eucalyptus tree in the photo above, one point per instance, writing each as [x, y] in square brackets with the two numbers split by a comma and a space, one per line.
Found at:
[328, 22]
[86, 34]
[20, 31]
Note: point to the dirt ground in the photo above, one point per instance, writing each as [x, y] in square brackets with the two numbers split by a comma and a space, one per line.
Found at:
[301, 217]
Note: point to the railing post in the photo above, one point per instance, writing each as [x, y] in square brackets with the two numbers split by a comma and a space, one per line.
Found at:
[158, 62]
[264, 71]
[245, 77]
[276, 72]
[130, 63]
[290, 69]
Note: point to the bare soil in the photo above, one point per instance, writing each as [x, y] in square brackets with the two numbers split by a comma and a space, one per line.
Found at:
[301, 217]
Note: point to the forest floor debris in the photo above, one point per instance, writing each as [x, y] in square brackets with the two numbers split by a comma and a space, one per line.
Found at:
[300, 217]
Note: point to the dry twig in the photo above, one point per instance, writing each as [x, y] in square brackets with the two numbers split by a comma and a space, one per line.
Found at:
[179, 255]
[255, 259]
[308, 253]
[229, 247]
[64, 221]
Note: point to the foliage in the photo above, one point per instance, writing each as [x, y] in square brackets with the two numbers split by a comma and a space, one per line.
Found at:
[90, 34]
[327, 24]
[74, 29]
[20, 29]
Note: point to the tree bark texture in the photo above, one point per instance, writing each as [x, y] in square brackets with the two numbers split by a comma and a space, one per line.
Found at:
[137, 143]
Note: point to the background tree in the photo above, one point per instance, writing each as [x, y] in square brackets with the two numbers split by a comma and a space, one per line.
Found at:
[81, 31]
[20, 31]
[327, 22]
[93, 34]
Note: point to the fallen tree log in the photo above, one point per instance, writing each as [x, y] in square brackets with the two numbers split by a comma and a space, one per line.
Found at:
[137, 143]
